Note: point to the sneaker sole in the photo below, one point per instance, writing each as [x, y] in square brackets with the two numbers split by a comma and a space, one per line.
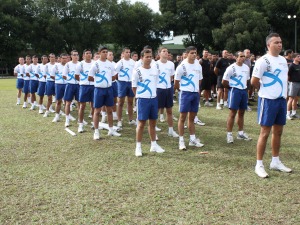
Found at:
[271, 168]
[262, 176]
[249, 139]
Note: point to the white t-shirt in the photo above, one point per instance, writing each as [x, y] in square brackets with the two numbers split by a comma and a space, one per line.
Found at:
[57, 72]
[124, 69]
[20, 70]
[166, 71]
[32, 70]
[83, 69]
[48, 69]
[273, 74]
[102, 72]
[145, 80]
[26, 71]
[237, 76]
[69, 71]
[189, 76]
[41, 71]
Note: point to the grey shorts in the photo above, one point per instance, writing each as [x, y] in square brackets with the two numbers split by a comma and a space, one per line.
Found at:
[294, 89]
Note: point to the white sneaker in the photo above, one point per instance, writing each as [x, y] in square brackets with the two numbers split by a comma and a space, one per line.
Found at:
[229, 138]
[96, 135]
[138, 152]
[71, 118]
[162, 119]
[103, 119]
[156, 138]
[156, 148]
[18, 102]
[182, 146]
[289, 117]
[225, 105]
[260, 171]
[173, 134]
[157, 129]
[43, 107]
[134, 109]
[46, 114]
[24, 105]
[61, 113]
[219, 107]
[67, 123]
[208, 104]
[80, 128]
[90, 116]
[244, 137]
[119, 124]
[41, 111]
[280, 167]
[56, 119]
[132, 122]
[32, 107]
[221, 101]
[113, 133]
[249, 109]
[174, 118]
[84, 123]
[196, 143]
[199, 122]
[51, 109]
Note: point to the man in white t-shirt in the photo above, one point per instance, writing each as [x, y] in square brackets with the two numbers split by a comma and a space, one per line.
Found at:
[144, 84]
[124, 69]
[270, 75]
[33, 82]
[26, 78]
[235, 80]
[42, 82]
[102, 73]
[19, 72]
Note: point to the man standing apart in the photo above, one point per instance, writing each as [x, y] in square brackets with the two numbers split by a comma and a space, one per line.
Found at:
[189, 75]
[270, 76]
[102, 73]
[144, 83]
[235, 79]
[19, 71]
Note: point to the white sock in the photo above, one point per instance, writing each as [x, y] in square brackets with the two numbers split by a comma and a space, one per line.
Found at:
[288, 113]
[111, 129]
[161, 116]
[138, 144]
[275, 159]
[225, 102]
[114, 114]
[171, 130]
[96, 131]
[241, 132]
[181, 138]
[192, 137]
[153, 143]
[41, 107]
[196, 119]
[259, 163]
[229, 133]
[103, 113]
[293, 112]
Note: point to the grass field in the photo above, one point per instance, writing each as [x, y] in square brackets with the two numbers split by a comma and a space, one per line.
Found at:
[51, 177]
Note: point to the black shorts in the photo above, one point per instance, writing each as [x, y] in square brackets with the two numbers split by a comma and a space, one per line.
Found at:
[219, 82]
[206, 84]
[213, 79]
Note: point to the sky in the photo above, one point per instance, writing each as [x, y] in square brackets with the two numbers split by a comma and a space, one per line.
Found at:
[153, 4]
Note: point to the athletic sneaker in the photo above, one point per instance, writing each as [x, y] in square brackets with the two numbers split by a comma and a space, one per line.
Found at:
[80, 128]
[46, 114]
[243, 136]
[173, 134]
[113, 133]
[229, 138]
[96, 135]
[90, 116]
[132, 122]
[260, 171]
[71, 118]
[18, 102]
[162, 119]
[199, 122]
[119, 124]
[219, 107]
[67, 123]
[280, 167]
[174, 118]
[208, 104]
[61, 113]
[84, 122]
[157, 129]
[56, 119]
[41, 111]
[249, 109]
[289, 117]
[51, 109]
[24, 105]
[225, 104]
[32, 107]
[182, 146]
[295, 116]
[156, 148]
[138, 152]
[196, 142]
[43, 107]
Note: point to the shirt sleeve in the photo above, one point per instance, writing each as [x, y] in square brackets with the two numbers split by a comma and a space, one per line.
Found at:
[134, 78]
[78, 68]
[201, 74]
[228, 73]
[259, 68]
[66, 70]
[178, 72]
[118, 66]
[92, 70]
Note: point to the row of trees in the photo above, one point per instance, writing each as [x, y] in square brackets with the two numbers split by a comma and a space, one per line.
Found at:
[62, 25]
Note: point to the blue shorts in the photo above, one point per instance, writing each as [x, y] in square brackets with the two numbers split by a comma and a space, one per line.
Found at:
[20, 83]
[115, 88]
[59, 91]
[103, 97]
[165, 97]
[71, 92]
[86, 93]
[237, 99]
[189, 102]
[271, 111]
[124, 89]
[147, 108]
[50, 88]
[42, 88]
[33, 86]
[26, 87]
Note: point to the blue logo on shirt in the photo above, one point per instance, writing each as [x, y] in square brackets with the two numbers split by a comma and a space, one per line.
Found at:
[58, 76]
[275, 79]
[189, 81]
[237, 80]
[145, 86]
[71, 75]
[84, 75]
[162, 78]
[102, 77]
[125, 73]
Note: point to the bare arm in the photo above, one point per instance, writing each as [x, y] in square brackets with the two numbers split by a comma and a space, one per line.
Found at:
[176, 85]
[225, 83]
[134, 90]
[255, 82]
[216, 71]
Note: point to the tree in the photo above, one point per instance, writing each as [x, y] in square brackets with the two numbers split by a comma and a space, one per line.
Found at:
[240, 29]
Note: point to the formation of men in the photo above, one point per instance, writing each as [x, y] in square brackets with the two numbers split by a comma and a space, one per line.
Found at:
[106, 85]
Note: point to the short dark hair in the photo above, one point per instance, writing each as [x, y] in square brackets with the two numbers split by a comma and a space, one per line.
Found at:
[190, 48]
[161, 48]
[34, 56]
[288, 51]
[63, 54]
[145, 51]
[125, 48]
[147, 47]
[101, 48]
[133, 53]
[237, 53]
[87, 50]
[270, 36]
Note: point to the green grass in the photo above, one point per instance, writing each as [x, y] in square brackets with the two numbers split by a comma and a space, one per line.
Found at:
[51, 177]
